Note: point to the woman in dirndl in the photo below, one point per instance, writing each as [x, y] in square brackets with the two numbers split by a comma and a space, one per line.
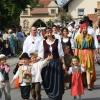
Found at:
[52, 75]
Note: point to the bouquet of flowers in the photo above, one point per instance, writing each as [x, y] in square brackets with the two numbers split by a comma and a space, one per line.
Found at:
[27, 78]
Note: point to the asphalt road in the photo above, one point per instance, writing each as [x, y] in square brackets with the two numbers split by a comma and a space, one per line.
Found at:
[88, 95]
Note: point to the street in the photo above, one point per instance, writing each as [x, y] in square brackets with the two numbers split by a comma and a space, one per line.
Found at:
[88, 95]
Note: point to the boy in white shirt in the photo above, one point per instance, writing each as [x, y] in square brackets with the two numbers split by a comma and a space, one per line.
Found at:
[36, 74]
[25, 77]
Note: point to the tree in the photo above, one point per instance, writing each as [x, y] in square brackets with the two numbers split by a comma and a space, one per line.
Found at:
[50, 23]
[64, 16]
[10, 11]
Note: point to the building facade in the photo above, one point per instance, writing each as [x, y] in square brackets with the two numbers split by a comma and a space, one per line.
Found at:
[50, 11]
[31, 15]
[79, 8]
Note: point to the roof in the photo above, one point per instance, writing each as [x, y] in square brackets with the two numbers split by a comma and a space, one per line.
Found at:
[52, 4]
[39, 11]
[44, 2]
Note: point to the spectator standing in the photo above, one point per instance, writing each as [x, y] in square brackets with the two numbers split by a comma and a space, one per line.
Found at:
[32, 42]
[7, 50]
[20, 38]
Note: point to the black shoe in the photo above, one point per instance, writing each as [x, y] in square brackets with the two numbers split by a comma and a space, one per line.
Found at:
[90, 89]
[75, 98]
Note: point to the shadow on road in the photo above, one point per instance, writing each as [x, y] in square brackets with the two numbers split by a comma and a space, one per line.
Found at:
[44, 98]
[96, 87]
[98, 98]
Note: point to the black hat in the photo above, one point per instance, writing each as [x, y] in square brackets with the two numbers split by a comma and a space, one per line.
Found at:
[24, 55]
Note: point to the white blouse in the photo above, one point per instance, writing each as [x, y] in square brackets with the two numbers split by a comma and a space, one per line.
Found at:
[41, 49]
[72, 41]
[70, 71]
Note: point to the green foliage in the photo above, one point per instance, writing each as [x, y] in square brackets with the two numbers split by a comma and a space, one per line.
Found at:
[66, 18]
[10, 11]
[50, 23]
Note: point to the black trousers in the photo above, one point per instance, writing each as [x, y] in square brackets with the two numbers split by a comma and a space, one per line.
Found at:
[56, 98]
[25, 91]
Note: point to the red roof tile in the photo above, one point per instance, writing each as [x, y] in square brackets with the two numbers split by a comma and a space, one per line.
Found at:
[39, 11]
[44, 2]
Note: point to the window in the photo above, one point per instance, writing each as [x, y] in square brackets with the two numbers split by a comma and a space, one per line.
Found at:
[80, 12]
[98, 12]
[95, 10]
[25, 12]
[53, 11]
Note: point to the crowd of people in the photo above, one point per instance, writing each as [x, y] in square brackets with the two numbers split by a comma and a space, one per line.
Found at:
[57, 58]
[11, 41]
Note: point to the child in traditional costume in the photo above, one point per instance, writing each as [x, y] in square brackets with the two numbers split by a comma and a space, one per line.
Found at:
[36, 74]
[25, 77]
[76, 70]
[4, 77]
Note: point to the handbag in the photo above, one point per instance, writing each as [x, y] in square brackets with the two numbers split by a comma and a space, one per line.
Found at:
[16, 83]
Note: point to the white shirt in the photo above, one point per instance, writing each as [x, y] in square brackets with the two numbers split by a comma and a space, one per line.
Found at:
[98, 33]
[70, 71]
[41, 49]
[31, 44]
[36, 70]
[92, 32]
[6, 36]
[57, 36]
[24, 67]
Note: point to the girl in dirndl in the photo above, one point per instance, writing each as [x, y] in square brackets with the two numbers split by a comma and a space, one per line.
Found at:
[76, 70]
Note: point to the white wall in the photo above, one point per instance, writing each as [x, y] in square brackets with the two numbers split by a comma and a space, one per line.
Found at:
[31, 20]
[88, 5]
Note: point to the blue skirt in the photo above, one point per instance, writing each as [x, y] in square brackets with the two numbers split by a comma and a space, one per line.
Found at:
[53, 79]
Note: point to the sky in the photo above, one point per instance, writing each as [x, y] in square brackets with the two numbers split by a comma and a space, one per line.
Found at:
[61, 3]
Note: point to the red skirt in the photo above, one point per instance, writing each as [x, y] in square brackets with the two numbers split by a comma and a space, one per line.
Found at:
[77, 88]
